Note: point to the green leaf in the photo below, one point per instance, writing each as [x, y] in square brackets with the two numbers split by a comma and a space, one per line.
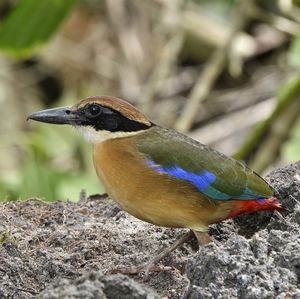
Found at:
[296, 2]
[31, 24]
[294, 52]
[291, 147]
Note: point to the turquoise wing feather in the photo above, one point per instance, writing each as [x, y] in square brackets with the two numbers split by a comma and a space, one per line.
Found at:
[212, 173]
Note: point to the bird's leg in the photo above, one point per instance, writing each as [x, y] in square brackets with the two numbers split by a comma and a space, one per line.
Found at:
[202, 237]
[150, 266]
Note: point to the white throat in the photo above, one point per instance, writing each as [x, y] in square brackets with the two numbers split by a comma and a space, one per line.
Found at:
[93, 136]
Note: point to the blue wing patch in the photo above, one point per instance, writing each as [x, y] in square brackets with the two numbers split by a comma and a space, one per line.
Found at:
[203, 182]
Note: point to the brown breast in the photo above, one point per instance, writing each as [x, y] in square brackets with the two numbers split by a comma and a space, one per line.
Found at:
[148, 195]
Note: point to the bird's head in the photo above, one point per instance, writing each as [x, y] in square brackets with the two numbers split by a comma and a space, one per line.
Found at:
[98, 118]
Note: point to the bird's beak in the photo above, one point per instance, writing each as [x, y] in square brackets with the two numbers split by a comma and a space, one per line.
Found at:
[59, 116]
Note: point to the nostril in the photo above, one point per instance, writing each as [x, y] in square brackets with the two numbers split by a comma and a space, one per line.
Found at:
[68, 111]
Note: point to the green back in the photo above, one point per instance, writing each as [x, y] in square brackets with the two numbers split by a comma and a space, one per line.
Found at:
[178, 155]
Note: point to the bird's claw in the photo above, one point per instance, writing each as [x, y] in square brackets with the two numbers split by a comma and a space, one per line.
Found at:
[145, 268]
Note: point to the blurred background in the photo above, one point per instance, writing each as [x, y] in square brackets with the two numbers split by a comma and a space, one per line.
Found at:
[225, 72]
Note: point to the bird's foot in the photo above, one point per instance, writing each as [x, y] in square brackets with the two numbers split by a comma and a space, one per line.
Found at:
[152, 266]
[147, 268]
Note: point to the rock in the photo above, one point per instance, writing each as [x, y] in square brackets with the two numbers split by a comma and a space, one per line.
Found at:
[62, 249]
[95, 285]
[266, 265]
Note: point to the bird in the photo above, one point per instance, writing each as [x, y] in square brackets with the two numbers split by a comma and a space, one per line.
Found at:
[159, 175]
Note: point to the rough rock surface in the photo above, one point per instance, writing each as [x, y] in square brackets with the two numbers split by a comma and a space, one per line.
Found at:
[267, 264]
[62, 249]
[96, 285]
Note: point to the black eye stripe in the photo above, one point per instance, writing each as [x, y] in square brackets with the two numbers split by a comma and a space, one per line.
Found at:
[106, 118]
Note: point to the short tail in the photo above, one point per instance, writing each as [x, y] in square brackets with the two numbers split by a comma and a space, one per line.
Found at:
[251, 206]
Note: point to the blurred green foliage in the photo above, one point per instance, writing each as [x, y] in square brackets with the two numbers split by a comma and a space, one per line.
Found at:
[57, 162]
[57, 165]
[31, 24]
[288, 93]
[219, 8]
[291, 149]
[47, 171]
[294, 52]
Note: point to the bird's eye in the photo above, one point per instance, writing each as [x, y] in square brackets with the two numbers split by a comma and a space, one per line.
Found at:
[94, 110]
